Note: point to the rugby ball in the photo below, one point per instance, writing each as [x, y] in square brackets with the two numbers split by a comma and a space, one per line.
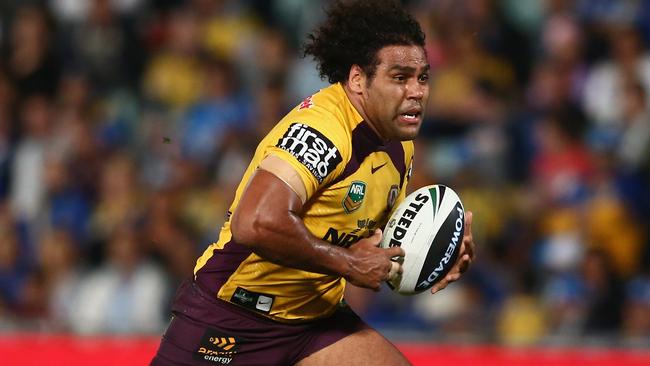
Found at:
[429, 226]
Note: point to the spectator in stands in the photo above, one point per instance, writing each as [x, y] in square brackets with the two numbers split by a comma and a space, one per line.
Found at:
[120, 197]
[634, 146]
[32, 61]
[27, 195]
[124, 295]
[636, 314]
[14, 263]
[58, 259]
[104, 45]
[172, 75]
[629, 59]
[7, 131]
[221, 112]
[604, 295]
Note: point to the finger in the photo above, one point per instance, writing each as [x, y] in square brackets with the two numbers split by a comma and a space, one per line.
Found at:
[462, 251]
[395, 252]
[468, 237]
[462, 254]
[452, 277]
[439, 286]
[376, 236]
[466, 261]
[395, 270]
[469, 216]
[470, 249]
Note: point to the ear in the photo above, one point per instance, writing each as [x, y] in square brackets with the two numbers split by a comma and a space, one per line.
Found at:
[356, 79]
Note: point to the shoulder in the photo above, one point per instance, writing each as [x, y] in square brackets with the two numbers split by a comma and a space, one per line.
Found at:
[314, 137]
[321, 115]
[325, 109]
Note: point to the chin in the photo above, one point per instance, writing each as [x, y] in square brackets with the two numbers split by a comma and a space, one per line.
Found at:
[408, 138]
[407, 134]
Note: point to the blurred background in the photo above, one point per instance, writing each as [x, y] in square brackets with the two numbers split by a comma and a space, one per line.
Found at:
[125, 126]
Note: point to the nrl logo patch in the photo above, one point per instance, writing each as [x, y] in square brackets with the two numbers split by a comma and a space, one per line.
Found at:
[354, 198]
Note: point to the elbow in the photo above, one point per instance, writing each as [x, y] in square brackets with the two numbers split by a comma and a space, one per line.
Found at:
[249, 229]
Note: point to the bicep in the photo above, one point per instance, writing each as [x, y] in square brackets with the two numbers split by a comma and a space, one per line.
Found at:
[266, 203]
[284, 171]
[268, 220]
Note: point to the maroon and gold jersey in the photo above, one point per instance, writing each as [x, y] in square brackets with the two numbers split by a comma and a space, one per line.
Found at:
[352, 179]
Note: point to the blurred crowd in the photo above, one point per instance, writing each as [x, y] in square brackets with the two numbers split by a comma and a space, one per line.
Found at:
[125, 126]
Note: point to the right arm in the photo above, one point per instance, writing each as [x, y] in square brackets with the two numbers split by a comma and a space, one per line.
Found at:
[268, 221]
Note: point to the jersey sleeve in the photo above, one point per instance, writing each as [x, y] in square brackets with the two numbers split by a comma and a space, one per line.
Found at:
[315, 144]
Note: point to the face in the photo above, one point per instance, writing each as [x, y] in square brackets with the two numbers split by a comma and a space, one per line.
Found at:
[394, 100]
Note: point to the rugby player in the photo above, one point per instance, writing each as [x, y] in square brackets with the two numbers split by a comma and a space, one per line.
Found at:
[307, 214]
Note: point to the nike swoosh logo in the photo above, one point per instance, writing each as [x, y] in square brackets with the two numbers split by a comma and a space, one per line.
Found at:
[374, 169]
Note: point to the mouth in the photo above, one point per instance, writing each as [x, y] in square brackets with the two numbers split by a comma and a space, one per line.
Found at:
[412, 116]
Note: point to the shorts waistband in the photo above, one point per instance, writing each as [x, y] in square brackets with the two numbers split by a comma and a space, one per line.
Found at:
[199, 305]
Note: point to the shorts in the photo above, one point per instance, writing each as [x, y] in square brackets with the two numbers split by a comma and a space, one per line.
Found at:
[208, 331]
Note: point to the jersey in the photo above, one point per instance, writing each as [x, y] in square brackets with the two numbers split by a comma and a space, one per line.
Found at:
[353, 179]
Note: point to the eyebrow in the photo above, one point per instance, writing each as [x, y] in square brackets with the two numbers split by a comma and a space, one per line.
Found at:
[408, 69]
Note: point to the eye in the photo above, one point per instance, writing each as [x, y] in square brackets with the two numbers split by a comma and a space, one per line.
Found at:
[423, 78]
[399, 78]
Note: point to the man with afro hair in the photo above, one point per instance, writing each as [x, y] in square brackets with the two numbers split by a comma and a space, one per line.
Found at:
[308, 213]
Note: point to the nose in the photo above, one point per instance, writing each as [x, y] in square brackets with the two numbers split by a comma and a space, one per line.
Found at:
[416, 90]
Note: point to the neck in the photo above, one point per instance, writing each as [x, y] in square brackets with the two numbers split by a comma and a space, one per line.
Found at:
[358, 104]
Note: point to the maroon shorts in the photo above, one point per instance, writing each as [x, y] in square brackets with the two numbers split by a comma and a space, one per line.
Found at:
[207, 331]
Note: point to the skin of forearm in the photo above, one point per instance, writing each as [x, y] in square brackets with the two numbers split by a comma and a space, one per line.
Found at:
[268, 221]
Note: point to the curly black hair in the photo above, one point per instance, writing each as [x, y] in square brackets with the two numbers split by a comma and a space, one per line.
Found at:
[355, 31]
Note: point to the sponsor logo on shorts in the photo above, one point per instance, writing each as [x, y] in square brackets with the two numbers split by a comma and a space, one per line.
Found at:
[311, 148]
[217, 348]
[264, 303]
[242, 296]
[252, 300]
[354, 198]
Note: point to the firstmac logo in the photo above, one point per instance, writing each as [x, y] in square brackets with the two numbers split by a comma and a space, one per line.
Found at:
[313, 150]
